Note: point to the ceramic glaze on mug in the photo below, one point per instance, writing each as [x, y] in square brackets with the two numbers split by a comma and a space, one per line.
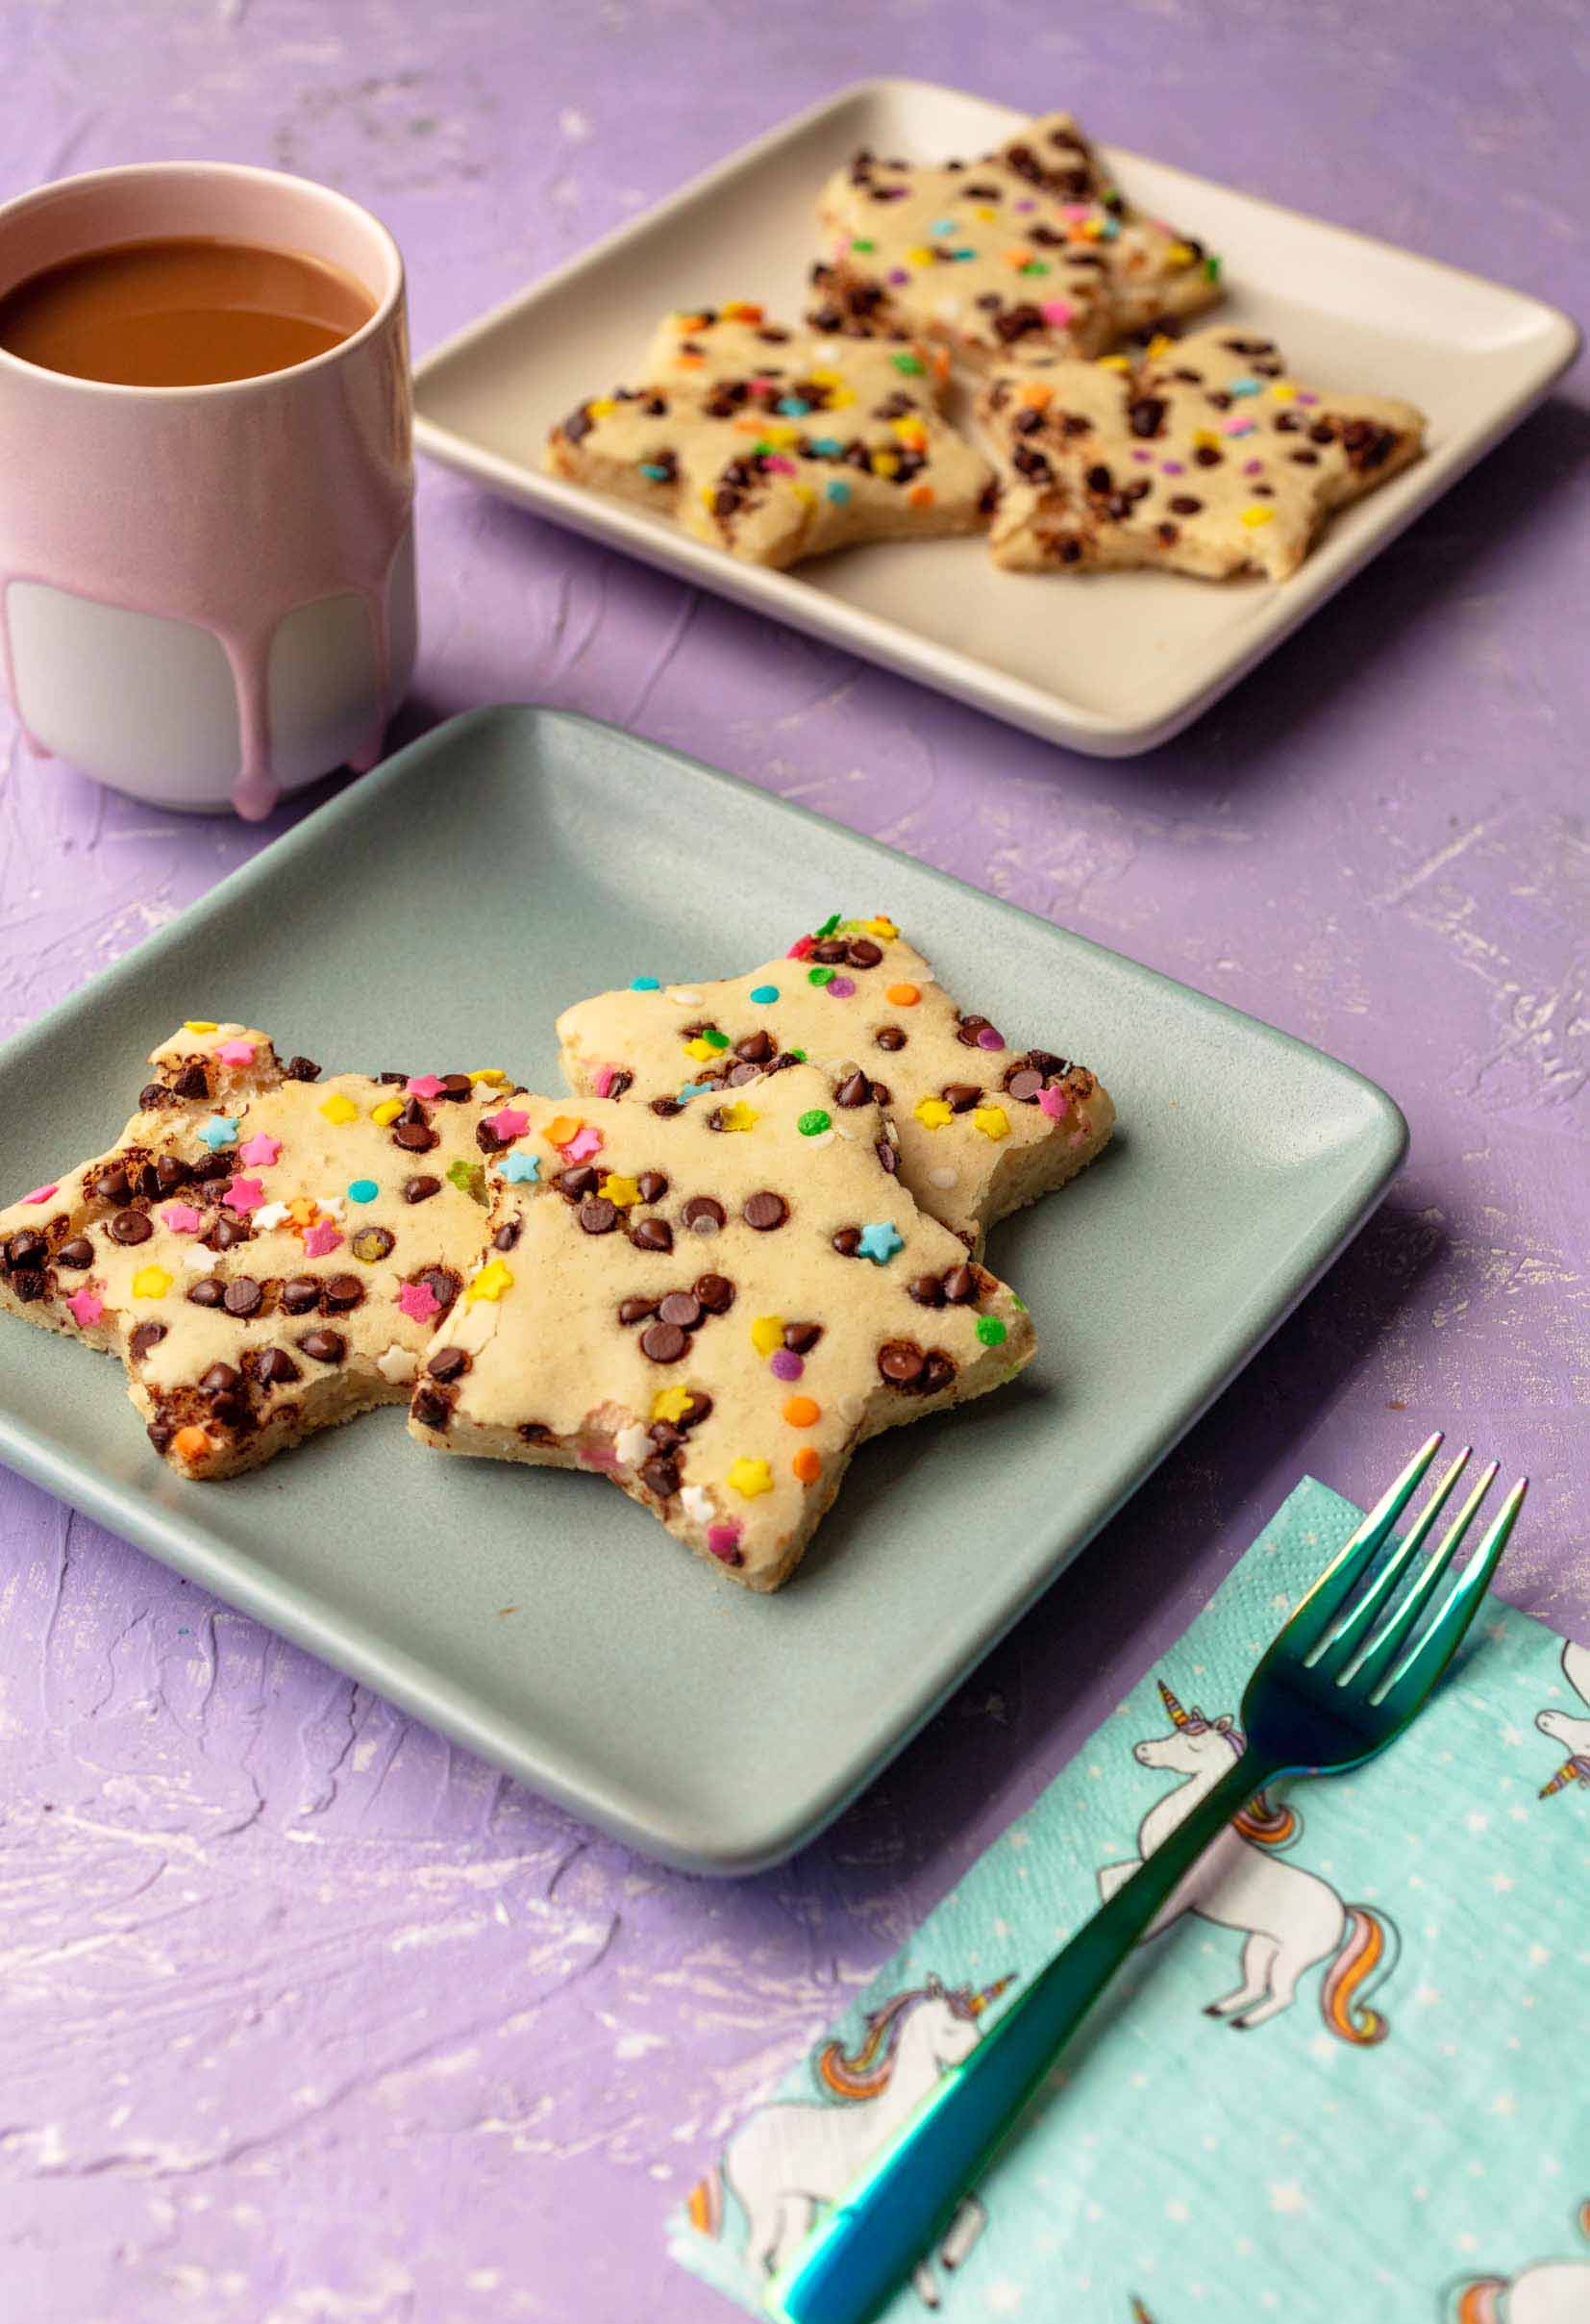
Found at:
[207, 593]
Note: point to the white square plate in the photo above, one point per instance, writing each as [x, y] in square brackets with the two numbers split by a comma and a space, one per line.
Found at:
[1110, 663]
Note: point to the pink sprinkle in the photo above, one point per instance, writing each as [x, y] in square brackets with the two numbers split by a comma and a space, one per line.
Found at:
[1025, 204]
[1173, 468]
[800, 948]
[182, 1218]
[1055, 1103]
[86, 1306]
[776, 464]
[1141, 455]
[508, 1122]
[1236, 425]
[235, 1053]
[1075, 211]
[761, 385]
[261, 1147]
[422, 1085]
[1057, 312]
[598, 1456]
[1302, 398]
[244, 1194]
[724, 1541]
[320, 1240]
[1252, 468]
[784, 1364]
[840, 987]
[41, 1193]
[602, 1079]
[899, 274]
[582, 1145]
[988, 1039]
[415, 1299]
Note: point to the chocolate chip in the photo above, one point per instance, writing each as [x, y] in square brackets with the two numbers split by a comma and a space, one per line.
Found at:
[682, 1308]
[1146, 414]
[740, 1073]
[937, 1372]
[113, 1185]
[535, 1431]
[420, 1189]
[28, 1283]
[961, 1287]
[192, 1081]
[300, 1294]
[715, 1292]
[756, 1048]
[301, 1069]
[802, 1338]
[207, 1293]
[663, 1342]
[1024, 1085]
[862, 953]
[170, 1173]
[652, 1234]
[854, 1091]
[578, 1180]
[848, 1241]
[830, 951]
[242, 1296]
[697, 1410]
[371, 1243]
[659, 1475]
[967, 1030]
[597, 1215]
[454, 1089]
[961, 1096]
[274, 1368]
[326, 1347]
[342, 1293]
[77, 1253]
[887, 1154]
[653, 1185]
[27, 1248]
[508, 1234]
[152, 1095]
[159, 1433]
[765, 1211]
[666, 1107]
[1186, 504]
[703, 1214]
[927, 1290]
[145, 1336]
[431, 1409]
[1099, 478]
[635, 1309]
[441, 1283]
[449, 1363]
[414, 1138]
[901, 1361]
[220, 1379]
[225, 1234]
[1209, 456]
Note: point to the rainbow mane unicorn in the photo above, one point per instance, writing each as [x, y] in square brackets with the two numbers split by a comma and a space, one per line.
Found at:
[1553, 2292]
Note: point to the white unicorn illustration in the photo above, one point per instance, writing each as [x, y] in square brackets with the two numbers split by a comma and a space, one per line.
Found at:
[1553, 2291]
[789, 2158]
[1572, 1734]
[1293, 1919]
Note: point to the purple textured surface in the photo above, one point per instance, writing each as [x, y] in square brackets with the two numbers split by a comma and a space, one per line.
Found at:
[305, 2016]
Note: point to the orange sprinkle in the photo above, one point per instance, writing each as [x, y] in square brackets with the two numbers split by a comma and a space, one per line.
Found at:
[1021, 256]
[190, 1444]
[903, 996]
[689, 362]
[921, 496]
[1035, 395]
[806, 1465]
[801, 1411]
[742, 311]
[561, 1128]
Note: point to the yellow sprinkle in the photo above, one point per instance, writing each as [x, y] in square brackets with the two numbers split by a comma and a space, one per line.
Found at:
[920, 256]
[620, 1190]
[708, 495]
[670, 1404]
[601, 406]
[1204, 438]
[700, 1048]
[781, 438]
[200, 1024]
[385, 1114]
[151, 1283]
[739, 1117]
[492, 1074]
[910, 431]
[1282, 390]
[826, 377]
[885, 463]
[561, 1128]
[490, 1282]
[340, 1109]
[992, 1120]
[767, 1333]
[749, 1477]
[984, 211]
[1114, 363]
[806, 495]
[1180, 255]
[881, 925]
[838, 397]
[932, 1112]
[1158, 345]
[1256, 515]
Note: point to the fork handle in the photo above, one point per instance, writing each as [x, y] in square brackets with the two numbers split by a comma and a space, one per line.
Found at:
[873, 2238]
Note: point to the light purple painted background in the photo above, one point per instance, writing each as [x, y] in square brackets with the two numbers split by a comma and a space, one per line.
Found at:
[304, 2016]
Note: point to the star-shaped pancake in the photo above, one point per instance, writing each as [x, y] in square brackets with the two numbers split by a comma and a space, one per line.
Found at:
[980, 1127]
[1033, 247]
[267, 1252]
[714, 1305]
[774, 445]
[1202, 454]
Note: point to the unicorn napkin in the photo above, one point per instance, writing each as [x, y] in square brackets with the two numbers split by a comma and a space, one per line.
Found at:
[1350, 2081]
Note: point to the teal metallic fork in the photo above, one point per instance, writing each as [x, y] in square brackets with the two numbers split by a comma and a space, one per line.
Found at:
[1352, 1666]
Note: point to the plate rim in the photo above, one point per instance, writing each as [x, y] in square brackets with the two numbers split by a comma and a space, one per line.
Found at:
[179, 1536]
[893, 644]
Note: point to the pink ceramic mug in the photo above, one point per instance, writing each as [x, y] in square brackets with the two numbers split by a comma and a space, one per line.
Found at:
[208, 594]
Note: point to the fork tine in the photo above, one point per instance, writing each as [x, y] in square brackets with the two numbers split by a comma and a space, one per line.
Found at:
[1333, 1655]
[1383, 1650]
[1330, 1592]
[1416, 1674]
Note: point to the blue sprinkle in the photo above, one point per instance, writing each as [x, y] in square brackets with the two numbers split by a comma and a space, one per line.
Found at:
[1109, 229]
[879, 1243]
[654, 469]
[363, 1190]
[645, 983]
[793, 407]
[220, 1129]
[942, 226]
[827, 447]
[522, 1169]
[763, 994]
[1245, 387]
[963, 254]
[693, 1089]
[837, 491]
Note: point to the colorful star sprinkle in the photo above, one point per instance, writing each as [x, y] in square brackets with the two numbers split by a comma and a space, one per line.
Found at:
[521, 1170]
[879, 1242]
[220, 1129]
[261, 1150]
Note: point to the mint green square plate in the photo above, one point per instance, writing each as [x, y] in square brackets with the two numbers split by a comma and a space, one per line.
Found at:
[454, 902]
